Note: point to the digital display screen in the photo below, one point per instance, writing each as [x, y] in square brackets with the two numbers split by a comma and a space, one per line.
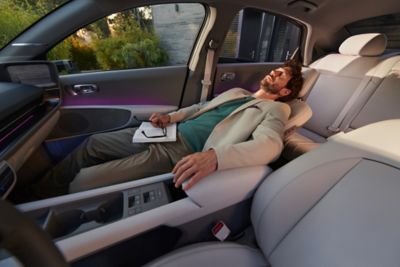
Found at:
[33, 74]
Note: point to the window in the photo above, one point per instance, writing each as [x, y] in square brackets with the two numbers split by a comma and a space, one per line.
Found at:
[388, 24]
[16, 16]
[149, 36]
[257, 36]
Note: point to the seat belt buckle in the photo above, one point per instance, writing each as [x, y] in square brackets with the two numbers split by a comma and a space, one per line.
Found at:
[221, 231]
[333, 129]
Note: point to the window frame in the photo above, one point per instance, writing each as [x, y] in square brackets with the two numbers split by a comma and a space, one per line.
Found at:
[44, 55]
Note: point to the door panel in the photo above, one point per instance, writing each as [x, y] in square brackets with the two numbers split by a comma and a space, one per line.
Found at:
[120, 96]
[83, 120]
[151, 86]
[244, 75]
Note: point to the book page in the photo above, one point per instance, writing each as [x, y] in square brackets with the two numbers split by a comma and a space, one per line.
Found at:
[150, 131]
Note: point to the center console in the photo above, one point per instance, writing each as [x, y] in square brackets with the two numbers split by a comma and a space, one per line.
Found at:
[90, 222]
[69, 215]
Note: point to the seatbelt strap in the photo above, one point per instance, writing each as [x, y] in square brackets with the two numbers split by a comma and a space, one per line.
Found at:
[207, 71]
[334, 127]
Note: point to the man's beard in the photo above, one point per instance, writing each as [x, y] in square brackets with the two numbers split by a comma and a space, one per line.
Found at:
[269, 88]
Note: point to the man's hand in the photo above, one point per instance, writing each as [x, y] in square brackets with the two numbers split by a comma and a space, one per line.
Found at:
[159, 120]
[194, 167]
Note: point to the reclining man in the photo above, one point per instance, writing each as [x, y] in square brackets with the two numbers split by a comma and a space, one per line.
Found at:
[237, 128]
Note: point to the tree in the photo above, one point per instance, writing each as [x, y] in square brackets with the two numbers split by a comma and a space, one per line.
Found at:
[124, 40]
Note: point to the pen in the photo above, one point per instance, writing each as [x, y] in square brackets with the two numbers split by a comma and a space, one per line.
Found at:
[142, 120]
[146, 120]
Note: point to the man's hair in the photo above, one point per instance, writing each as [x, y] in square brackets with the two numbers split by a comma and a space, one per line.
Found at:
[296, 82]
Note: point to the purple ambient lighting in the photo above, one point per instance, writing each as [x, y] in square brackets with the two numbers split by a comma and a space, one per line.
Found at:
[78, 101]
[16, 128]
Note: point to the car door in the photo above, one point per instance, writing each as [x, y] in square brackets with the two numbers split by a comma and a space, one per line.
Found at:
[122, 68]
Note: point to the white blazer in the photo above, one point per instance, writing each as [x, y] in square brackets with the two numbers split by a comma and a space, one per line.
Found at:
[251, 135]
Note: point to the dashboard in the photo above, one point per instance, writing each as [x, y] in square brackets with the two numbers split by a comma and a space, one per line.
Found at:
[29, 95]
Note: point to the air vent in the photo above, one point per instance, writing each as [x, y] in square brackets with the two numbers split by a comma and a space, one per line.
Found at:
[304, 5]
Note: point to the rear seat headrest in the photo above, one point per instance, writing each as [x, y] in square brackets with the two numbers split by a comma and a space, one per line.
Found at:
[310, 77]
[368, 44]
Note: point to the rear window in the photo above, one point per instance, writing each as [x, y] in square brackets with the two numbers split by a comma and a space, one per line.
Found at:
[259, 36]
[388, 24]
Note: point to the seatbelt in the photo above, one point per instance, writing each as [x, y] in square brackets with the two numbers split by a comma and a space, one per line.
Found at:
[207, 71]
[334, 127]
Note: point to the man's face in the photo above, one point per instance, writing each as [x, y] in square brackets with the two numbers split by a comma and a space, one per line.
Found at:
[276, 80]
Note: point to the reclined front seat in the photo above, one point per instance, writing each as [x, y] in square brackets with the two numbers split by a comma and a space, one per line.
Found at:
[335, 206]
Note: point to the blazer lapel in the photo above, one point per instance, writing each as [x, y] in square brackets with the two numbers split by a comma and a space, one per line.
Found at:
[251, 104]
[229, 96]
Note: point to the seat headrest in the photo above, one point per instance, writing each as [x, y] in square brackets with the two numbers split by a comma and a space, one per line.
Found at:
[368, 44]
[310, 76]
[300, 113]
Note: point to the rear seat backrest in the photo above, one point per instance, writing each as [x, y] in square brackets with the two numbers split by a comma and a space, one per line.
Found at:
[381, 101]
[340, 76]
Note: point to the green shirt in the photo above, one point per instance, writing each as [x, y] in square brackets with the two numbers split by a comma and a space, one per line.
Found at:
[196, 131]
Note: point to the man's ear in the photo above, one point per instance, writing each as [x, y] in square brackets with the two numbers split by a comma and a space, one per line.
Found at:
[285, 91]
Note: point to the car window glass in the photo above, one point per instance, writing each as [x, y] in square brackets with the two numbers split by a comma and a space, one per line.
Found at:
[148, 36]
[17, 15]
[388, 24]
[258, 36]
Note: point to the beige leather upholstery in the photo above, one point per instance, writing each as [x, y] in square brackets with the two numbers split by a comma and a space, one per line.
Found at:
[334, 206]
[340, 76]
[383, 103]
[368, 44]
[213, 254]
[310, 77]
[301, 111]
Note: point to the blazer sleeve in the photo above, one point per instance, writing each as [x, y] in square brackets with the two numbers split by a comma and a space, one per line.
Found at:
[264, 146]
[184, 113]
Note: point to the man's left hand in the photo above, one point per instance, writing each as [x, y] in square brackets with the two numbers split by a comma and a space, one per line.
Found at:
[194, 167]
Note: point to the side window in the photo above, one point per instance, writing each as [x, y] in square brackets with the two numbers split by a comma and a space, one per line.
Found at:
[257, 36]
[387, 24]
[148, 36]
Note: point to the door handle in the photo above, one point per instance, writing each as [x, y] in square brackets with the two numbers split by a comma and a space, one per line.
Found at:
[84, 89]
[228, 76]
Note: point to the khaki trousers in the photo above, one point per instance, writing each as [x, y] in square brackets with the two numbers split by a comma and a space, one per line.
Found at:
[110, 158]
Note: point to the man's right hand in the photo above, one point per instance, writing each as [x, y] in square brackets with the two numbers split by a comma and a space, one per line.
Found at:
[159, 120]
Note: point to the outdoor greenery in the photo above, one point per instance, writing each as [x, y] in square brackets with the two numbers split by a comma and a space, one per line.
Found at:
[123, 40]
[17, 15]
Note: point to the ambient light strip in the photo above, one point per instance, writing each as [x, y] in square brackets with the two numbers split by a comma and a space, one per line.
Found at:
[16, 128]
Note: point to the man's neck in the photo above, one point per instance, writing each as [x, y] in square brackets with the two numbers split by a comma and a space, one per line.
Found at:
[261, 94]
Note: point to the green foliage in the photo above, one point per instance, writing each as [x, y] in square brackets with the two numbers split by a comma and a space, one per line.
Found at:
[14, 19]
[125, 40]
[130, 47]
[118, 42]
[17, 15]
[62, 50]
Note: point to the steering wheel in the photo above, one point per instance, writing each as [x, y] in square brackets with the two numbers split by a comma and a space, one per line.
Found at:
[23, 238]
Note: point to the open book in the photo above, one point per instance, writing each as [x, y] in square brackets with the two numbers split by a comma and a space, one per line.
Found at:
[147, 133]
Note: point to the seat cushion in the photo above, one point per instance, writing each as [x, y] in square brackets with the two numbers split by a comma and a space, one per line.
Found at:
[296, 145]
[212, 254]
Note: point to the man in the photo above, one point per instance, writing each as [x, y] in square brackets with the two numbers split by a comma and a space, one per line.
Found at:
[235, 129]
